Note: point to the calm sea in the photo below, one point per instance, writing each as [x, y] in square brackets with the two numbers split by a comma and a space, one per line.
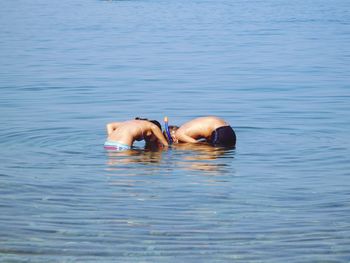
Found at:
[278, 71]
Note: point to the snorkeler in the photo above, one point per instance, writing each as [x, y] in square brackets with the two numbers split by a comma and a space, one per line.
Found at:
[121, 135]
[214, 130]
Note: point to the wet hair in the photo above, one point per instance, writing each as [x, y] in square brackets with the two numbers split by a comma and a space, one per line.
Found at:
[171, 128]
[153, 121]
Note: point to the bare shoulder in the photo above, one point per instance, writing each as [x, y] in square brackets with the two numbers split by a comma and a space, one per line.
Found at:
[194, 126]
[145, 125]
[215, 119]
[136, 123]
[211, 120]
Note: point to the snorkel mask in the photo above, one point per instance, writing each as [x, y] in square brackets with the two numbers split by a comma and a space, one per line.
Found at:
[167, 130]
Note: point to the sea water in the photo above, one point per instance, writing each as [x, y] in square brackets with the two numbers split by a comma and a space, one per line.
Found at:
[277, 71]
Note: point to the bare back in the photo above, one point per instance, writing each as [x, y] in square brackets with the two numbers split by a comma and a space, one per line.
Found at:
[200, 127]
[129, 131]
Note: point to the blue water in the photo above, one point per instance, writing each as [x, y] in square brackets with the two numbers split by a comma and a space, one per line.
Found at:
[278, 71]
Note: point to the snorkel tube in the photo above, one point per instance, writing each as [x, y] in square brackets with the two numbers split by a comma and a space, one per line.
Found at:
[167, 130]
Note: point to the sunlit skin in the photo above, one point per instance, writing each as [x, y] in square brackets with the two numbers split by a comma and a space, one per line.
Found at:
[199, 128]
[135, 130]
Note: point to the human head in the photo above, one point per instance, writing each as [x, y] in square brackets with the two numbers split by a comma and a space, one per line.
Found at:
[151, 140]
[156, 123]
[153, 121]
[172, 130]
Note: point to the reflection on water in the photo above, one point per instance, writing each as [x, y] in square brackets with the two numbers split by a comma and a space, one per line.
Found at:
[133, 156]
[277, 70]
[204, 157]
[185, 156]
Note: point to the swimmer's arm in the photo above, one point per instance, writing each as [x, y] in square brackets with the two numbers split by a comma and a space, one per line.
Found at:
[112, 127]
[157, 132]
[185, 138]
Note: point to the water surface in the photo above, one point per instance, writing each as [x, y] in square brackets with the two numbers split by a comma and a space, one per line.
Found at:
[277, 71]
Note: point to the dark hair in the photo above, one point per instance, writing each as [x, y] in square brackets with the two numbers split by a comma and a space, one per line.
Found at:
[153, 121]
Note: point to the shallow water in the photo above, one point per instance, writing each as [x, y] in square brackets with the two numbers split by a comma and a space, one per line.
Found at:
[277, 71]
